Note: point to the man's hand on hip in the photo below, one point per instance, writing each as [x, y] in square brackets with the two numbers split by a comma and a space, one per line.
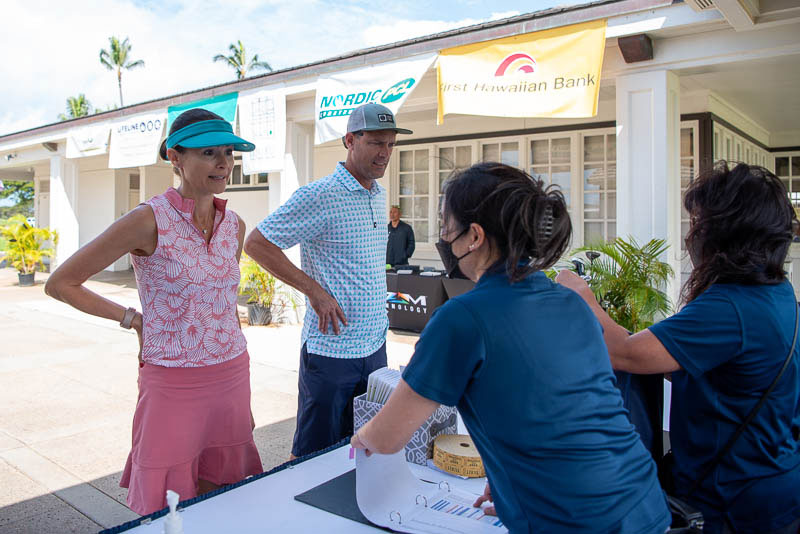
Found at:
[327, 310]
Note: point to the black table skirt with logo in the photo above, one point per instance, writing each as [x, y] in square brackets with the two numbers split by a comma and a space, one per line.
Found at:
[411, 298]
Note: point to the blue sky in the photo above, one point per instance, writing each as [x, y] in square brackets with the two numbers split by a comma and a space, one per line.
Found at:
[53, 46]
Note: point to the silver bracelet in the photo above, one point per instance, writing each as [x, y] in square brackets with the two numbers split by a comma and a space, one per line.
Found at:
[127, 319]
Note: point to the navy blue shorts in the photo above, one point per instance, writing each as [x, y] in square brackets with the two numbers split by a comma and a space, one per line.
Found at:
[326, 388]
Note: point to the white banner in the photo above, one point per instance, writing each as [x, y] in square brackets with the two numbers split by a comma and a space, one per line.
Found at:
[388, 84]
[135, 140]
[262, 121]
[88, 140]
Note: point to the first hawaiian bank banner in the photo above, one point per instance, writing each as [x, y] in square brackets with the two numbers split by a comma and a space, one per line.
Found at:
[387, 83]
[550, 73]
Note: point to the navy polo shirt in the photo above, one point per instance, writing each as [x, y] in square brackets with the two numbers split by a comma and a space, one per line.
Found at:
[527, 366]
[731, 342]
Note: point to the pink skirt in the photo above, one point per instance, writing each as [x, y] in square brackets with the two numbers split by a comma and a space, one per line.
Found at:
[190, 423]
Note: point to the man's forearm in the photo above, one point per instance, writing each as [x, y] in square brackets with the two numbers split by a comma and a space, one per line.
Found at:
[273, 259]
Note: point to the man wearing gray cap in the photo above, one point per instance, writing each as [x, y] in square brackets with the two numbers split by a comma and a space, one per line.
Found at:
[340, 223]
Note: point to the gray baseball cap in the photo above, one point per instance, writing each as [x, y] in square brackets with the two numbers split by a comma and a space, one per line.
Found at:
[373, 117]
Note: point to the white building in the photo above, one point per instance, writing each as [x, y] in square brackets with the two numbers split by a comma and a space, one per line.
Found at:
[723, 82]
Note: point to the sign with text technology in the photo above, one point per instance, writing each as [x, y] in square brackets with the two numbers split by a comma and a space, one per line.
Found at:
[135, 140]
[550, 73]
[88, 140]
[388, 84]
[262, 121]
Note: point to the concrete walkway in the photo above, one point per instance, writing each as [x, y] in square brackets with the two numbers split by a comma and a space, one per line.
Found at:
[67, 397]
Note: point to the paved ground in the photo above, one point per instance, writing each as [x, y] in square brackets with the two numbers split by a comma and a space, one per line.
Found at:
[67, 396]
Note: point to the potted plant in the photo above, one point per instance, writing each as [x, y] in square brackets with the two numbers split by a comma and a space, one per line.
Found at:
[259, 286]
[25, 247]
[628, 280]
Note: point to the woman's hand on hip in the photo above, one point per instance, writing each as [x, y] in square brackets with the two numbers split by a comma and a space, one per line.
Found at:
[138, 325]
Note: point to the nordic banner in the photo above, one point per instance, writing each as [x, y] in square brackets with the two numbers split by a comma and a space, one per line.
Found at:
[386, 83]
[550, 73]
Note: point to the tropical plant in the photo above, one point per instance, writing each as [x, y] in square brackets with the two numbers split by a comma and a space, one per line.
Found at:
[257, 284]
[238, 60]
[20, 193]
[77, 106]
[116, 58]
[25, 248]
[628, 280]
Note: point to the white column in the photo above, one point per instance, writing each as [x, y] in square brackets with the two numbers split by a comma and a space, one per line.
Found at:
[296, 172]
[64, 205]
[648, 162]
[154, 180]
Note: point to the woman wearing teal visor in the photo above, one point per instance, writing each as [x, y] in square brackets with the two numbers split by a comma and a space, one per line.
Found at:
[192, 430]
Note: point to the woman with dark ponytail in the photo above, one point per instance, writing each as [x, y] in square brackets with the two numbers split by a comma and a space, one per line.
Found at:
[524, 360]
[725, 348]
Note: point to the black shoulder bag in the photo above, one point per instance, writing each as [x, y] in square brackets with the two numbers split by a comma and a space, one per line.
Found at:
[685, 519]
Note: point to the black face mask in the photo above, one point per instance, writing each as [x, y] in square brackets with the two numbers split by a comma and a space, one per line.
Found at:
[450, 260]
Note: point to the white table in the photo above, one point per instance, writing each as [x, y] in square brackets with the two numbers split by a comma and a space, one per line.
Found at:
[268, 504]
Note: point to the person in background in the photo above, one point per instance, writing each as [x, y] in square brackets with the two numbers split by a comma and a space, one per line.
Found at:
[401, 239]
[193, 429]
[724, 348]
[340, 223]
[524, 361]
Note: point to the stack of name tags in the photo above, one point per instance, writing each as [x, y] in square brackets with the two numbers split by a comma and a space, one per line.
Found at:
[380, 385]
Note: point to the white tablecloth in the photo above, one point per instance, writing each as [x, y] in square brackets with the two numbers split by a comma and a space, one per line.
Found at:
[268, 504]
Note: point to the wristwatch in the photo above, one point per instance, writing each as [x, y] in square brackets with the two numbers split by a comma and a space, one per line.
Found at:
[127, 319]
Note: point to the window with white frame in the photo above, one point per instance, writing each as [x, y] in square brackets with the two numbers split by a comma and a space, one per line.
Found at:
[599, 187]
[582, 163]
[414, 191]
[239, 180]
[450, 158]
[787, 168]
[734, 148]
[689, 159]
[550, 159]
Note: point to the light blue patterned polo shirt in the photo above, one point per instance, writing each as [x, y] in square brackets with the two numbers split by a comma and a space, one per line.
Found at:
[342, 231]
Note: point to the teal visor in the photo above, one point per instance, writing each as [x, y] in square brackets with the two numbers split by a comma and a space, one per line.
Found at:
[208, 133]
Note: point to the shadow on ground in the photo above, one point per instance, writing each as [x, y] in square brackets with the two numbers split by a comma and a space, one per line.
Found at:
[65, 511]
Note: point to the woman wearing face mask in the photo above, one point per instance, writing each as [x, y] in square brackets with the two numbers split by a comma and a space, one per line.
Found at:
[192, 430]
[524, 361]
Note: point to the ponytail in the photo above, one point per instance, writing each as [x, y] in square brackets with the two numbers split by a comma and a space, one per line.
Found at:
[527, 222]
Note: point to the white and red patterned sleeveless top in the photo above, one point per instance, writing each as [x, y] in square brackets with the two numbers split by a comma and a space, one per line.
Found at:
[188, 289]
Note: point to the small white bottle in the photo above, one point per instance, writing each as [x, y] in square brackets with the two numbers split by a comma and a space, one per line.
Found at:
[173, 523]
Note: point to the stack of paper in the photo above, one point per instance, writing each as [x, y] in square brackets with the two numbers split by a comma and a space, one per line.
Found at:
[381, 383]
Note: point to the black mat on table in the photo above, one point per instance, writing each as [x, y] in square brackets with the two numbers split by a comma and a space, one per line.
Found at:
[337, 496]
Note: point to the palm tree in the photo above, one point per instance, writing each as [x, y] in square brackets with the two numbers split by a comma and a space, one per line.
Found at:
[117, 58]
[77, 106]
[238, 60]
[628, 280]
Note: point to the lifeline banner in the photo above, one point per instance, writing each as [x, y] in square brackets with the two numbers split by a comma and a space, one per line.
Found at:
[387, 83]
[88, 140]
[262, 121]
[222, 105]
[550, 73]
[135, 140]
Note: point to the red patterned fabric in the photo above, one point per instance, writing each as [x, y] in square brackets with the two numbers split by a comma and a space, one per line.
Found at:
[188, 288]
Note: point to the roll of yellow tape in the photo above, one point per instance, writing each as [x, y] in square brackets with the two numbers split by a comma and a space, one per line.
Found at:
[456, 453]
